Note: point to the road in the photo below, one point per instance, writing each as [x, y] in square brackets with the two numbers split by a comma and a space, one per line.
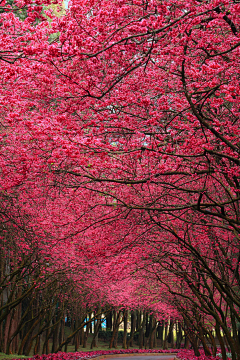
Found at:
[144, 357]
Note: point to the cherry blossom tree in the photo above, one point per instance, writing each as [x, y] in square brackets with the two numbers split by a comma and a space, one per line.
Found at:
[120, 151]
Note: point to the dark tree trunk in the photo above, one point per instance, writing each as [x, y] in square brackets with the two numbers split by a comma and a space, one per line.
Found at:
[179, 336]
[152, 332]
[85, 338]
[56, 334]
[117, 321]
[133, 328]
[160, 333]
[165, 343]
[96, 330]
[109, 320]
[147, 326]
[141, 332]
[125, 319]
[138, 319]
[81, 335]
[62, 334]
[148, 331]
[170, 333]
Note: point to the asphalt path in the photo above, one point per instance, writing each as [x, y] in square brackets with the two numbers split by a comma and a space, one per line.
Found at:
[145, 357]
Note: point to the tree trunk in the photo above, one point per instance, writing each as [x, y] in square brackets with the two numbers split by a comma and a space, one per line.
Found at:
[116, 324]
[77, 341]
[152, 332]
[133, 327]
[81, 335]
[109, 321]
[61, 333]
[221, 342]
[179, 335]
[165, 343]
[56, 334]
[6, 332]
[141, 332]
[147, 326]
[37, 346]
[46, 343]
[125, 319]
[86, 334]
[160, 333]
[96, 330]
[213, 343]
[170, 333]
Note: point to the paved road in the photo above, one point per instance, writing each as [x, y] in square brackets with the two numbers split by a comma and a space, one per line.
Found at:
[145, 357]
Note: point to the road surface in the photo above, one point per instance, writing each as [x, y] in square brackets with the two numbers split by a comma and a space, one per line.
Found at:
[144, 357]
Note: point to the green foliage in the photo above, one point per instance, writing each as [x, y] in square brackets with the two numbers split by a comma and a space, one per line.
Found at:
[136, 336]
[53, 37]
[11, 356]
[106, 335]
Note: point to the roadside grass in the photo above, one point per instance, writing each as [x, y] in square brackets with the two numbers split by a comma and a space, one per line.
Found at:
[102, 345]
[11, 356]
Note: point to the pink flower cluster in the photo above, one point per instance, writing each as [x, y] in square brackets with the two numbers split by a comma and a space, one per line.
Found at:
[92, 354]
[182, 354]
[189, 355]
